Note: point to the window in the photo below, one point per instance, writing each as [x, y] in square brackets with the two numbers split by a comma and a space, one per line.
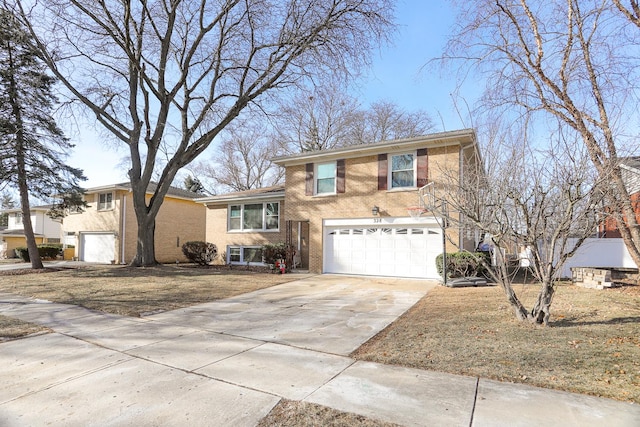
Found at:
[326, 178]
[105, 201]
[245, 255]
[18, 218]
[254, 217]
[402, 171]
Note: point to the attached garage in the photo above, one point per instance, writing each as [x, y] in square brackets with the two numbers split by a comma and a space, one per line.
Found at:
[398, 247]
[98, 247]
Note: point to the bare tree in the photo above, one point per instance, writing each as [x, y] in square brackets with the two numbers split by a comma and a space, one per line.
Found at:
[320, 120]
[329, 118]
[166, 77]
[243, 161]
[540, 202]
[570, 61]
[385, 120]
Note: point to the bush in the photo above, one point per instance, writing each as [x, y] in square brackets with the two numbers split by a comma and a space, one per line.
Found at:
[46, 251]
[273, 252]
[23, 254]
[462, 264]
[200, 252]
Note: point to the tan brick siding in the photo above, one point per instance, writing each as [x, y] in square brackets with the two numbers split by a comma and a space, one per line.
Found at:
[217, 230]
[361, 194]
[178, 221]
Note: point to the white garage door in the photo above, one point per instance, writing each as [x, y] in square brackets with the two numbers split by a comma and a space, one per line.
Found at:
[385, 250]
[98, 247]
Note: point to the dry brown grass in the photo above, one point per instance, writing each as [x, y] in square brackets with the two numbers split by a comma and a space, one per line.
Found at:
[288, 413]
[592, 345]
[134, 291]
[13, 328]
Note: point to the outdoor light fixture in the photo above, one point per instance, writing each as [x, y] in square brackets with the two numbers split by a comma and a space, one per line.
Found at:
[375, 210]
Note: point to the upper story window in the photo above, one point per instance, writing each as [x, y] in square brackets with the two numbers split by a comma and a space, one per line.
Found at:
[402, 170]
[254, 217]
[326, 178]
[18, 218]
[105, 201]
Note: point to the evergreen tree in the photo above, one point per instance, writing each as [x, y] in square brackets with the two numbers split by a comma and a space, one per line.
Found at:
[6, 202]
[33, 148]
[194, 185]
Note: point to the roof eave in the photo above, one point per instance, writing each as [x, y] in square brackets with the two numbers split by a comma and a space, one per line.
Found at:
[224, 199]
[459, 137]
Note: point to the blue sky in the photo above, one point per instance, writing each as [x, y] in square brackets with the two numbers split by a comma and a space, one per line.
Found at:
[397, 75]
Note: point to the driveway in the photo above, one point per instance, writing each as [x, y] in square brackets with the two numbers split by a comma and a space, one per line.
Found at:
[329, 313]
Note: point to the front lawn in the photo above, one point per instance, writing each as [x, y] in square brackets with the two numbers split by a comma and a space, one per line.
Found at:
[132, 291]
[591, 346]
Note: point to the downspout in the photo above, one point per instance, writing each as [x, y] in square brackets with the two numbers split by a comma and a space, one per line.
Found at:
[461, 172]
[123, 227]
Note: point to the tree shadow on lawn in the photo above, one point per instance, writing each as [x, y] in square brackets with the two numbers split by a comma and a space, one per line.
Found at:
[570, 323]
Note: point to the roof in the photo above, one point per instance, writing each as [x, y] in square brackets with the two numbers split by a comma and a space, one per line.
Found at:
[267, 193]
[176, 192]
[18, 232]
[31, 208]
[464, 137]
[631, 162]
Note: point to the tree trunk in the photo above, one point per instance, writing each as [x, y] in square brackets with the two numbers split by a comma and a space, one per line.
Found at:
[542, 309]
[145, 249]
[23, 189]
[32, 246]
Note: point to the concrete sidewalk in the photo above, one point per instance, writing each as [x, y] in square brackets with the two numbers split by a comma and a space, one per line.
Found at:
[206, 365]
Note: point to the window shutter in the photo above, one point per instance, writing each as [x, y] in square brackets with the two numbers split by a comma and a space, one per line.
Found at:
[308, 189]
[382, 171]
[340, 170]
[422, 167]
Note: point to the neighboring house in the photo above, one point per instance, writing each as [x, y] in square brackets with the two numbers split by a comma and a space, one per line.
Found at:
[106, 231]
[346, 210]
[45, 229]
[631, 175]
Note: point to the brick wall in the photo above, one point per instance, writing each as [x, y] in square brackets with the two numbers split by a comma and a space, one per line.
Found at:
[216, 230]
[361, 194]
[178, 221]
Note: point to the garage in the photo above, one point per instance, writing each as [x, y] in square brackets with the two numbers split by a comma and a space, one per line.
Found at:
[98, 247]
[393, 247]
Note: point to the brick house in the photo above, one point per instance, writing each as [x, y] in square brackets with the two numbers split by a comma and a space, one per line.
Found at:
[45, 229]
[106, 231]
[346, 210]
[631, 175]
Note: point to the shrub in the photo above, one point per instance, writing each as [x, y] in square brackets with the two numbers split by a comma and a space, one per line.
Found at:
[462, 264]
[200, 252]
[273, 252]
[23, 254]
[50, 250]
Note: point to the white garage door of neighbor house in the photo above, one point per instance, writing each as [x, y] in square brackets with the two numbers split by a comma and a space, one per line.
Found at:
[98, 247]
[383, 250]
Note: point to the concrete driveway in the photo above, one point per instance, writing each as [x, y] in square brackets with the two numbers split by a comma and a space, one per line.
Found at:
[328, 313]
[228, 363]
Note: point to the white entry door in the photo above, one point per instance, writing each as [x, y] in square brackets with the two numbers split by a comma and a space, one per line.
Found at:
[98, 247]
[383, 250]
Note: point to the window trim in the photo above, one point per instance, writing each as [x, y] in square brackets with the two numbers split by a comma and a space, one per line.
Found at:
[111, 204]
[390, 171]
[242, 248]
[316, 177]
[265, 216]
